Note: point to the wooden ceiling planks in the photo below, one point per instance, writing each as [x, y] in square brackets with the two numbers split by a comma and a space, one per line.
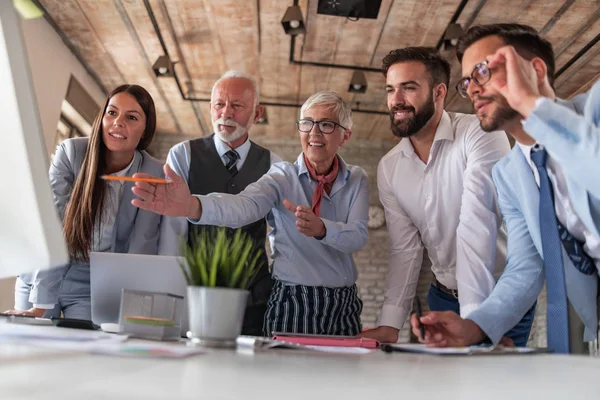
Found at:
[197, 36]
[68, 16]
[279, 80]
[208, 37]
[580, 74]
[120, 43]
[150, 49]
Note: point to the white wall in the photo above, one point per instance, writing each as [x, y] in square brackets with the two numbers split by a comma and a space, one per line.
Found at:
[51, 64]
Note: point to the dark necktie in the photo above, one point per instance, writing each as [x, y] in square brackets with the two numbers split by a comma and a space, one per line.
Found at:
[574, 248]
[557, 317]
[232, 157]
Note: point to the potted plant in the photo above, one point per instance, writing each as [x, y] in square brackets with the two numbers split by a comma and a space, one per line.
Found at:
[218, 268]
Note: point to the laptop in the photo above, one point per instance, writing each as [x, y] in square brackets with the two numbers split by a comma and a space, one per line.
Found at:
[110, 273]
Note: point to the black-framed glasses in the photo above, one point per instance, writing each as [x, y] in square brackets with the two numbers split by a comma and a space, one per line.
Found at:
[325, 126]
[481, 75]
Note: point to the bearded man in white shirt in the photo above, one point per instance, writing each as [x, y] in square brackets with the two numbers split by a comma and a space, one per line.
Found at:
[437, 190]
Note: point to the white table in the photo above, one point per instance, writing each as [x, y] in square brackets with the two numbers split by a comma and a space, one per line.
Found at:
[29, 373]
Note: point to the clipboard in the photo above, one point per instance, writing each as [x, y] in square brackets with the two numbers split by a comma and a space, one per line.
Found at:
[462, 351]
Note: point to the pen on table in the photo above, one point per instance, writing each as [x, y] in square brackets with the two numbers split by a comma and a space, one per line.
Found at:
[419, 315]
[132, 179]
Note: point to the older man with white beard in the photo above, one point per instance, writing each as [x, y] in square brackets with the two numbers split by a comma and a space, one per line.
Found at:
[234, 162]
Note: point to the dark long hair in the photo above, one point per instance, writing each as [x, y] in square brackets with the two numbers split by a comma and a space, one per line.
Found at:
[85, 207]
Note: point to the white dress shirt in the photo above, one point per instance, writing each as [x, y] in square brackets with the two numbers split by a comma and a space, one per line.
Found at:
[562, 204]
[447, 206]
[112, 198]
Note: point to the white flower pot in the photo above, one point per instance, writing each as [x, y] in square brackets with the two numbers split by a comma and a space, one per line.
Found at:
[215, 315]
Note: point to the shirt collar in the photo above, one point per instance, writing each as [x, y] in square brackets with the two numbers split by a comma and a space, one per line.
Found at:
[444, 131]
[343, 167]
[222, 147]
[526, 149]
[123, 172]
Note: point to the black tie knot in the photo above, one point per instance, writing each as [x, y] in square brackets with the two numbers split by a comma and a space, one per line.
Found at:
[232, 157]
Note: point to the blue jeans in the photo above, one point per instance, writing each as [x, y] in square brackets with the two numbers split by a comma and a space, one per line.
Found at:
[439, 300]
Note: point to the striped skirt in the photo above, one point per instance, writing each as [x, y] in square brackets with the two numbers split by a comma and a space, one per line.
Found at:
[313, 310]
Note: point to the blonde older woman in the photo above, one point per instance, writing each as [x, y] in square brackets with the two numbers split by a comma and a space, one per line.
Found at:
[318, 209]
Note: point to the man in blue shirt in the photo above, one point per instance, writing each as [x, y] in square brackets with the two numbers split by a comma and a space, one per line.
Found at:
[318, 209]
[548, 191]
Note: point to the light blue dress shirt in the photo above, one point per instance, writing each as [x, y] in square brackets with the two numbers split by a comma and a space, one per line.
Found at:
[569, 130]
[179, 156]
[298, 259]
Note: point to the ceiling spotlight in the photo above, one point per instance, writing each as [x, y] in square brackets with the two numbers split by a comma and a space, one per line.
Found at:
[163, 67]
[358, 84]
[451, 36]
[293, 22]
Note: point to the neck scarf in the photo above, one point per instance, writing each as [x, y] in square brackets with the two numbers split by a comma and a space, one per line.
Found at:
[324, 183]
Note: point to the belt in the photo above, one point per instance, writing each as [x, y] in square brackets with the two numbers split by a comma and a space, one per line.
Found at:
[452, 292]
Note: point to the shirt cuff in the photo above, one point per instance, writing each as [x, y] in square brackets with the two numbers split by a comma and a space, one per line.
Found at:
[393, 316]
[542, 107]
[467, 309]
[486, 326]
[207, 211]
[332, 232]
[44, 306]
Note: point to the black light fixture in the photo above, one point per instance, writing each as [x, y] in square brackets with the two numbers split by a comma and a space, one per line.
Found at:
[163, 67]
[293, 22]
[453, 33]
[358, 84]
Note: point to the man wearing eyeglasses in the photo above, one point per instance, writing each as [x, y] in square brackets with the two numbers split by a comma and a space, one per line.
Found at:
[437, 191]
[548, 191]
[234, 162]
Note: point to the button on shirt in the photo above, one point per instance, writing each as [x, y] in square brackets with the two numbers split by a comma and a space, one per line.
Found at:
[447, 206]
[299, 259]
[562, 204]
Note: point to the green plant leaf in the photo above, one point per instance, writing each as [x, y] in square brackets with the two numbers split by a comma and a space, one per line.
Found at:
[215, 259]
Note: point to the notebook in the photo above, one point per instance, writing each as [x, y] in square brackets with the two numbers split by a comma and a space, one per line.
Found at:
[326, 340]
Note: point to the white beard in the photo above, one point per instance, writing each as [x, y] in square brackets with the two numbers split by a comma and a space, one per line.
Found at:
[225, 136]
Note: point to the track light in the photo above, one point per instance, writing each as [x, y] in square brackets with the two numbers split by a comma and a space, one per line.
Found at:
[292, 21]
[163, 67]
[358, 84]
[453, 33]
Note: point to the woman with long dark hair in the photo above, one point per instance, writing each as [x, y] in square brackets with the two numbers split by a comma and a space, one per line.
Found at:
[97, 214]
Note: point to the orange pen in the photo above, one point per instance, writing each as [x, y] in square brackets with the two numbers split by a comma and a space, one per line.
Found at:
[131, 179]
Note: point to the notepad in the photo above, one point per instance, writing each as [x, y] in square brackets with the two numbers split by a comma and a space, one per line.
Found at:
[326, 340]
[462, 351]
[255, 344]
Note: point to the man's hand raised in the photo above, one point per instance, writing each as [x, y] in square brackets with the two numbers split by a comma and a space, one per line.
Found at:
[172, 199]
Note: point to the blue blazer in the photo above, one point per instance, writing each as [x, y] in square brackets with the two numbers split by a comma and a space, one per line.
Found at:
[136, 231]
[569, 130]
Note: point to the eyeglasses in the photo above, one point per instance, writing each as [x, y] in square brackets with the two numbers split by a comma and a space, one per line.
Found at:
[325, 126]
[481, 75]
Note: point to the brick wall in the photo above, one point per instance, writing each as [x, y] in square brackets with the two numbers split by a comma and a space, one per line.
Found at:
[371, 261]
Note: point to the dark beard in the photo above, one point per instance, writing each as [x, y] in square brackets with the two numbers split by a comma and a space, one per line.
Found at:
[411, 125]
[501, 115]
